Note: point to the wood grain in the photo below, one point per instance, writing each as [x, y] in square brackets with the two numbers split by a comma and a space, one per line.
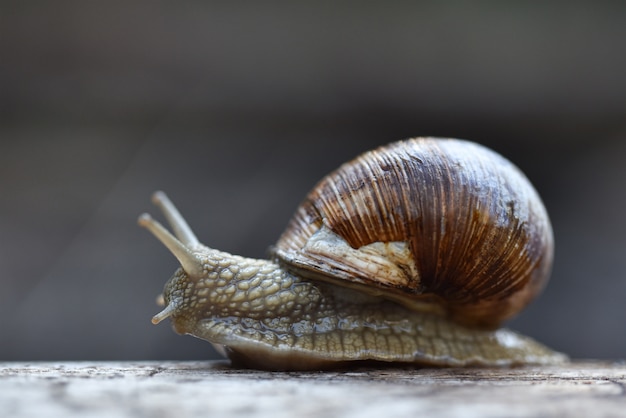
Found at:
[213, 389]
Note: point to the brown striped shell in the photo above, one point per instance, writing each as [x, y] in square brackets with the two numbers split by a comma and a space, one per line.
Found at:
[436, 224]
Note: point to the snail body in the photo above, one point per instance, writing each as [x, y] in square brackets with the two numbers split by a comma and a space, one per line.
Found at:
[415, 252]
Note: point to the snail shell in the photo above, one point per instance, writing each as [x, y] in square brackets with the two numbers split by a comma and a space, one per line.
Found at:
[434, 224]
[414, 253]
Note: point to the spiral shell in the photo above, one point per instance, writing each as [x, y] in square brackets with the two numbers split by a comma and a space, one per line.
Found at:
[442, 225]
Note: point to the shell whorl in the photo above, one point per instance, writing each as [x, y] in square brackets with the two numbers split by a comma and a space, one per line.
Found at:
[479, 237]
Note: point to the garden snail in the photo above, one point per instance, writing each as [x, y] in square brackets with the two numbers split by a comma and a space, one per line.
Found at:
[414, 252]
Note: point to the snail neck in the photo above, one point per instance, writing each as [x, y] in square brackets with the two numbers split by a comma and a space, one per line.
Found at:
[231, 286]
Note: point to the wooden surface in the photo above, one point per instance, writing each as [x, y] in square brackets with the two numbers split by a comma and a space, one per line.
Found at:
[212, 389]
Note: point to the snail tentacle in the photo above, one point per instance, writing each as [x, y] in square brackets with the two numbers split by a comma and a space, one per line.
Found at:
[165, 313]
[190, 263]
[179, 225]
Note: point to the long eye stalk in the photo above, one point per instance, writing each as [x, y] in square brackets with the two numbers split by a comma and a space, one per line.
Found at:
[180, 245]
[181, 228]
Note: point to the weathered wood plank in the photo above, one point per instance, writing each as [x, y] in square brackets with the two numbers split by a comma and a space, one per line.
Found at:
[182, 389]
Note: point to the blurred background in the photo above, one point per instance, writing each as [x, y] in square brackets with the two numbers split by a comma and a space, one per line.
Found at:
[236, 109]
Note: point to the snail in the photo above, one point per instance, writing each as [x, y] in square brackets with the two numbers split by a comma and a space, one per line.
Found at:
[415, 252]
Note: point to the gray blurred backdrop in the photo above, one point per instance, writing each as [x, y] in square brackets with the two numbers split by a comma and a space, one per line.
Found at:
[237, 109]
